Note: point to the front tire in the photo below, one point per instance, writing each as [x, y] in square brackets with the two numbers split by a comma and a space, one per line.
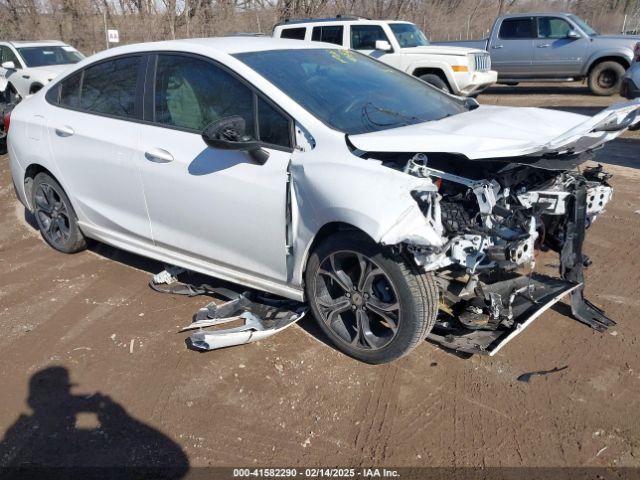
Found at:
[55, 216]
[605, 78]
[373, 305]
[436, 81]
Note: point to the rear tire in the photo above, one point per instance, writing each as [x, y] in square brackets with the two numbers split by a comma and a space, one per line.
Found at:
[55, 216]
[373, 305]
[605, 78]
[436, 81]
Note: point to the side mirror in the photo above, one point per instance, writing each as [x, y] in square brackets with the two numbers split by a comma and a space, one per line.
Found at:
[9, 65]
[573, 34]
[383, 45]
[229, 133]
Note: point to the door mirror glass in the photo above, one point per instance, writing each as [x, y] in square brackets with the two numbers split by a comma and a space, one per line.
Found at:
[9, 65]
[383, 45]
[573, 34]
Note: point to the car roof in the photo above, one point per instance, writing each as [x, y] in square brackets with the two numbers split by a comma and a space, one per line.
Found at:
[536, 14]
[303, 22]
[35, 43]
[216, 45]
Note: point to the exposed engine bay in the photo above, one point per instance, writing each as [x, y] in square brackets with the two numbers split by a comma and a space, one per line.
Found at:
[496, 215]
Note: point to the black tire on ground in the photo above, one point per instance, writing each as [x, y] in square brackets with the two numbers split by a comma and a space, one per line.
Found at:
[510, 84]
[383, 291]
[436, 81]
[605, 78]
[55, 216]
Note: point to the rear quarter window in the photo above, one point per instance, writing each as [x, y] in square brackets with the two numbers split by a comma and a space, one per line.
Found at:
[293, 33]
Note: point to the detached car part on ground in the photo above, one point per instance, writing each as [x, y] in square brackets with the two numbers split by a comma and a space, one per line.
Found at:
[394, 210]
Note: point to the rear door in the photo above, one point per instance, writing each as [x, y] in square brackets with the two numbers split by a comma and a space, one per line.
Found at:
[556, 54]
[218, 205]
[94, 139]
[512, 47]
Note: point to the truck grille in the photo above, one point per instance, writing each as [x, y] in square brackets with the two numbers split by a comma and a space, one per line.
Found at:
[482, 62]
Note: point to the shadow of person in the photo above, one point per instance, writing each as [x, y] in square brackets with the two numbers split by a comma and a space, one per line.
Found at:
[54, 434]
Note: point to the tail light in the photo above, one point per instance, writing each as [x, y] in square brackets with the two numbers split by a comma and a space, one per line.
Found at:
[6, 122]
[636, 52]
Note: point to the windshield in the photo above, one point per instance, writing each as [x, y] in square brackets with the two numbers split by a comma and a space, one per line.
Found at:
[408, 35]
[349, 91]
[586, 28]
[52, 55]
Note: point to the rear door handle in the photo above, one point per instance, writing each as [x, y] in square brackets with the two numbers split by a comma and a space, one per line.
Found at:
[158, 155]
[544, 45]
[64, 131]
[498, 46]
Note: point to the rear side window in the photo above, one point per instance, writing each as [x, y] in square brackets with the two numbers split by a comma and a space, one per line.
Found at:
[517, 28]
[328, 33]
[363, 37]
[110, 87]
[293, 33]
[70, 91]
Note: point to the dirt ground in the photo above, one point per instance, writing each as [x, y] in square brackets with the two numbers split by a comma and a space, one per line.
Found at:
[91, 320]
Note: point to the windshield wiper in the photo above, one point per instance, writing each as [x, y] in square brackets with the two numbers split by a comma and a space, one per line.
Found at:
[366, 116]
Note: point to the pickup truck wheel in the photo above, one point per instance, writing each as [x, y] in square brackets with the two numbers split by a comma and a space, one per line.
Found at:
[436, 81]
[55, 216]
[605, 78]
[373, 305]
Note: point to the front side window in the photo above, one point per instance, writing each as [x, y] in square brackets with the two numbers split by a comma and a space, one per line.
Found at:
[328, 33]
[349, 91]
[553, 27]
[408, 35]
[192, 93]
[363, 37]
[110, 87]
[517, 28]
[293, 33]
[44, 56]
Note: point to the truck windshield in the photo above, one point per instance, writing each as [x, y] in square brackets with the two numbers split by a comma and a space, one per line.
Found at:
[408, 35]
[53, 55]
[349, 91]
[586, 28]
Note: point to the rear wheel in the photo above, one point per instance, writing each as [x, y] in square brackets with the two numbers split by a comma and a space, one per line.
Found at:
[55, 216]
[373, 305]
[605, 78]
[436, 81]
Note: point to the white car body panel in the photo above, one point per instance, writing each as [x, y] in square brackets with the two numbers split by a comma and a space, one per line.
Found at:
[216, 212]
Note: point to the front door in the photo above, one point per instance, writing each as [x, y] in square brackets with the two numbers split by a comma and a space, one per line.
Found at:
[555, 53]
[222, 206]
[363, 39]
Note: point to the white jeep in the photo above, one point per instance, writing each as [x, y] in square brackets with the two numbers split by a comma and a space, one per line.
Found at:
[25, 67]
[457, 70]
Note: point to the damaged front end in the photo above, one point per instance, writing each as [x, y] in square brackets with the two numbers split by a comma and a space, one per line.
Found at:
[496, 216]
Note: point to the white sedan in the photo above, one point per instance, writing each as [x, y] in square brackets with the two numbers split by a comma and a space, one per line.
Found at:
[319, 174]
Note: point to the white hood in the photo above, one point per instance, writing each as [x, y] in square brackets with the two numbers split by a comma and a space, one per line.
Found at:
[51, 71]
[439, 50]
[494, 132]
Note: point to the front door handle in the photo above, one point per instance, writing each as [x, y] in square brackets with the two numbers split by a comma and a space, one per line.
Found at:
[158, 155]
[544, 45]
[64, 131]
[498, 46]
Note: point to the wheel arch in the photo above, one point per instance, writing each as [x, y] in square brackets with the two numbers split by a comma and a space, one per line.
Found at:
[29, 174]
[35, 87]
[434, 71]
[619, 58]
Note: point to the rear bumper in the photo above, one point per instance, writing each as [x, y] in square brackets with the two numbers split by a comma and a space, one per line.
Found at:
[471, 83]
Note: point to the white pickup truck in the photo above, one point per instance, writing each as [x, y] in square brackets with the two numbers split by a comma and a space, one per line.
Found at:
[457, 70]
